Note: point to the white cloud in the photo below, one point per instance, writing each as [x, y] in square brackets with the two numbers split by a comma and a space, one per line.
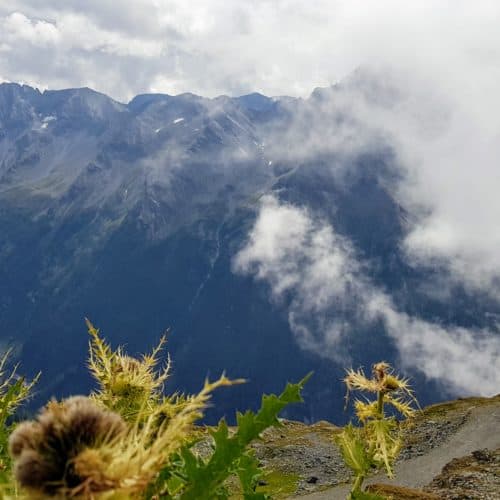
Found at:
[18, 27]
[75, 31]
[314, 271]
[279, 47]
[309, 262]
[446, 147]
[466, 361]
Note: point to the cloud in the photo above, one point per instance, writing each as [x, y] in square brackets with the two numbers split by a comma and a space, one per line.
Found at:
[448, 150]
[464, 360]
[17, 27]
[315, 273]
[281, 47]
[309, 262]
[444, 151]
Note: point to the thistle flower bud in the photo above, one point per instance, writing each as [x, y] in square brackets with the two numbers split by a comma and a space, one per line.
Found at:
[47, 451]
[380, 370]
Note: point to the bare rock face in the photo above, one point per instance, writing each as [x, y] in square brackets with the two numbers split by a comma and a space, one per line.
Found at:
[475, 476]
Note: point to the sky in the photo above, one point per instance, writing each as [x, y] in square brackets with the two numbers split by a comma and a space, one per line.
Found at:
[443, 58]
[213, 47]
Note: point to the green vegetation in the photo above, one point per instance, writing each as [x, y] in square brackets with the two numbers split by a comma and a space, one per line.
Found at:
[128, 440]
[281, 484]
[13, 391]
[376, 443]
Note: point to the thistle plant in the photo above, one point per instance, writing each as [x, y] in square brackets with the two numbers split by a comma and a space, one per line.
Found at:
[130, 386]
[129, 440]
[376, 443]
[14, 390]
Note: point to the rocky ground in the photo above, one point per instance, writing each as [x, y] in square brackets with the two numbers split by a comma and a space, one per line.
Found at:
[303, 460]
[474, 476]
[305, 457]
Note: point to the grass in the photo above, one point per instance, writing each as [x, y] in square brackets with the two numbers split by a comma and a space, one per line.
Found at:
[298, 433]
[279, 484]
[443, 409]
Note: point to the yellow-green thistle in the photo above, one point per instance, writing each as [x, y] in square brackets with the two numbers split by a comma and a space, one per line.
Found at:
[129, 440]
[377, 442]
[159, 425]
[14, 390]
[132, 387]
[77, 448]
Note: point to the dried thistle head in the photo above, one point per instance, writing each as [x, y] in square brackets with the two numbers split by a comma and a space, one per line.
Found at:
[388, 382]
[47, 451]
[380, 370]
[78, 449]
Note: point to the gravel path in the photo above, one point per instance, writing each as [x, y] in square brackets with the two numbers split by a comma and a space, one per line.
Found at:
[481, 430]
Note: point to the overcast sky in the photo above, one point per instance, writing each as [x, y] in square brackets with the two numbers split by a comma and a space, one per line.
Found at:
[232, 47]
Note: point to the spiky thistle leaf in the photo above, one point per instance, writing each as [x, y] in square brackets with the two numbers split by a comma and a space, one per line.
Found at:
[249, 472]
[387, 443]
[365, 410]
[353, 450]
[403, 406]
[356, 380]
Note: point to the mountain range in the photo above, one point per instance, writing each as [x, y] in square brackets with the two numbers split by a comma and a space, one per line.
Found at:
[133, 215]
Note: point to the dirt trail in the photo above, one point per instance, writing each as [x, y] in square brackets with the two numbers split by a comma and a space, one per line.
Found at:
[481, 430]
